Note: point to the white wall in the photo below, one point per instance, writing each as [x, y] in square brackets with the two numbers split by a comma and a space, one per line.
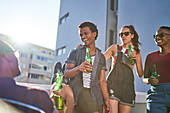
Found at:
[79, 11]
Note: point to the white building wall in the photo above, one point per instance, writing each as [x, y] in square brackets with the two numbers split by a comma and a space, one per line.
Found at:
[79, 11]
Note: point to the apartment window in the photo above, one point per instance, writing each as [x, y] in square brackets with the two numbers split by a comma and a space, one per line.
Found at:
[64, 18]
[61, 51]
[49, 69]
[34, 49]
[36, 66]
[22, 65]
[46, 52]
[35, 76]
[45, 59]
[112, 4]
[23, 55]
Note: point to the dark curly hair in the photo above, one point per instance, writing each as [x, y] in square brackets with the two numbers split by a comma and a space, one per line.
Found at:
[92, 27]
[165, 27]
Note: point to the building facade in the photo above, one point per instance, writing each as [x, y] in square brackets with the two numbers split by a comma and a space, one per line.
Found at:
[103, 13]
[36, 62]
[109, 16]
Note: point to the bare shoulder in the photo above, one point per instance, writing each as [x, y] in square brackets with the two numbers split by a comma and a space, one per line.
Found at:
[113, 47]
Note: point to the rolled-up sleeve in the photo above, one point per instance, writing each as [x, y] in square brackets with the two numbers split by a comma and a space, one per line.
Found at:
[103, 60]
[71, 57]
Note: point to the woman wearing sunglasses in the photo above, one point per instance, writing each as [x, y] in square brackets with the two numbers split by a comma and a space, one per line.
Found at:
[158, 96]
[121, 79]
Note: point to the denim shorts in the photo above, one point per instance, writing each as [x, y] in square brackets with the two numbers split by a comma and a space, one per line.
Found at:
[158, 98]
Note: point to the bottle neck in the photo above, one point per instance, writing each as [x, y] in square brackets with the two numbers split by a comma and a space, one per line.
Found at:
[87, 52]
[154, 68]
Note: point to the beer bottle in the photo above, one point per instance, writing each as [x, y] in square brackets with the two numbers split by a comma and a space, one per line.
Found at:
[131, 61]
[88, 58]
[57, 99]
[154, 73]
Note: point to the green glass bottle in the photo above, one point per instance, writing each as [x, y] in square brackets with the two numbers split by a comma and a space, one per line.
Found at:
[131, 61]
[154, 73]
[88, 58]
[57, 99]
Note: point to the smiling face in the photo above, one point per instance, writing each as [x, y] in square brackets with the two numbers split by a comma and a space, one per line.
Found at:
[87, 36]
[125, 36]
[164, 39]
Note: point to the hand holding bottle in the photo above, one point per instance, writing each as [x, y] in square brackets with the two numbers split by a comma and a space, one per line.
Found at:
[67, 94]
[153, 81]
[132, 55]
[85, 66]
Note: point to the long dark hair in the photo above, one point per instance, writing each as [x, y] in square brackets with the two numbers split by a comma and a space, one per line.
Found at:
[135, 39]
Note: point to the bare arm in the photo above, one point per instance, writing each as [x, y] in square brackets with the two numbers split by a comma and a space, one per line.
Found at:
[111, 51]
[138, 59]
[139, 65]
[103, 86]
[71, 70]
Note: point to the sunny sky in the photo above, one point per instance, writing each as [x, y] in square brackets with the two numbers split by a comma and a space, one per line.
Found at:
[33, 21]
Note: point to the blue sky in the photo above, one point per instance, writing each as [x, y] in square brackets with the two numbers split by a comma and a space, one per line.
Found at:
[33, 21]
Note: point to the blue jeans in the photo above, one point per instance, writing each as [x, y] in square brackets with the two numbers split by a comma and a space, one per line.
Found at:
[158, 98]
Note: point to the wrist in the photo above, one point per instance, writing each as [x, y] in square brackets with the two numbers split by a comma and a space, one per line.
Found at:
[148, 81]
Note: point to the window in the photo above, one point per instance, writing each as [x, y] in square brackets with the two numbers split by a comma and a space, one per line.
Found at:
[35, 76]
[61, 51]
[36, 66]
[112, 4]
[46, 52]
[64, 18]
[45, 59]
[22, 65]
[23, 55]
[111, 37]
[40, 67]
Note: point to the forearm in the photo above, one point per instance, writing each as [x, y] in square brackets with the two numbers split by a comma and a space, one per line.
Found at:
[70, 73]
[139, 65]
[70, 105]
[104, 90]
[103, 85]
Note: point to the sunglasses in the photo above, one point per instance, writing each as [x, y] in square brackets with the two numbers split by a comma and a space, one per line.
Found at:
[160, 35]
[125, 33]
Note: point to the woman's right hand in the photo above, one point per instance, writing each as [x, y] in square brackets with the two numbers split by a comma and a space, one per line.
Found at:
[153, 80]
[79, 45]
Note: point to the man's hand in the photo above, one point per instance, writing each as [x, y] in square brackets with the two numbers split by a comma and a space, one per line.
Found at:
[85, 66]
[108, 108]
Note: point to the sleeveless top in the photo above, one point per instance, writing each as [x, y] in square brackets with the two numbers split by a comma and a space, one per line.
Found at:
[125, 51]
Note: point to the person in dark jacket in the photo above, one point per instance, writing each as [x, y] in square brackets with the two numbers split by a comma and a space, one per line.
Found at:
[88, 95]
[9, 68]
